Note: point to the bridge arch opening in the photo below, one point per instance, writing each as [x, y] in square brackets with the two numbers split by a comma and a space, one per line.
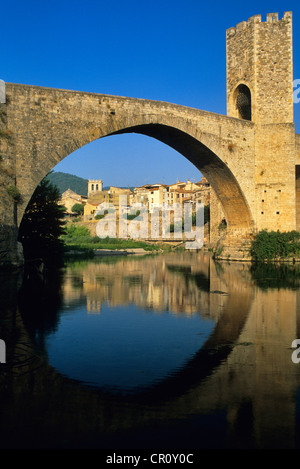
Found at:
[210, 165]
[217, 173]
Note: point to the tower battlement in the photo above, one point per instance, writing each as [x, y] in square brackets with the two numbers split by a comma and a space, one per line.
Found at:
[255, 19]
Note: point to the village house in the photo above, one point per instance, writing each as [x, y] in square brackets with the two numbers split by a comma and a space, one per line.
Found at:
[150, 195]
[158, 195]
[194, 192]
[97, 196]
[69, 198]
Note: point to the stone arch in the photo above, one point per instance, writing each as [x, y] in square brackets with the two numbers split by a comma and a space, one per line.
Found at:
[221, 178]
[209, 164]
[243, 101]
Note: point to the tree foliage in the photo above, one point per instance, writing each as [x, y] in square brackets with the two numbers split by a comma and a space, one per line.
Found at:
[43, 224]
[78, 208]
[269, 246]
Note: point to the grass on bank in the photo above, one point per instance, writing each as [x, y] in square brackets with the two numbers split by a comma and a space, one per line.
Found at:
[78, 238]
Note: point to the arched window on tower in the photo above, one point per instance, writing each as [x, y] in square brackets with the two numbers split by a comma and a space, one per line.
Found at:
[243, 102]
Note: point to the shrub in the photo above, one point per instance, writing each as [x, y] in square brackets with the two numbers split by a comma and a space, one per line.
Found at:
[132, 216]
[14, 193]
[270, 246]
[78, 208]
[76, 232]
[99, 216]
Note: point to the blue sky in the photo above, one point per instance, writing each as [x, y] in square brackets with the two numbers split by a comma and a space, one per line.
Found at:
[163, 50]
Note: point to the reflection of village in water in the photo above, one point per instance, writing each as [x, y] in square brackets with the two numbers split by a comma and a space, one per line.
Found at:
[175, 283]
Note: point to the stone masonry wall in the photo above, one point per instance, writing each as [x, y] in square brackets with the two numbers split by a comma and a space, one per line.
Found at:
[260, 55]
[10, 250]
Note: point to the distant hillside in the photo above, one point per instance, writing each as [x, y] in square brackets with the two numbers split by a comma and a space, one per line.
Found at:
[64, 181]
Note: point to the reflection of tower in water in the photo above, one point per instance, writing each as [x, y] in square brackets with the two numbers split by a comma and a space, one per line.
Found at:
[93, 305]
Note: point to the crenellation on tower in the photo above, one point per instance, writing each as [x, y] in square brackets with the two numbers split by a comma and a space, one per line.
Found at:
[272, 17]
[240, 26]
[256, 19]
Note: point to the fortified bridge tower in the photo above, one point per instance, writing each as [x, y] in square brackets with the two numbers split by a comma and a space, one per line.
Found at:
[251, 157]
[260, 89]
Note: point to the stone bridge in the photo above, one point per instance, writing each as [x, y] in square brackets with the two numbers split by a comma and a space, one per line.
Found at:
[249, 157]
[46, 125]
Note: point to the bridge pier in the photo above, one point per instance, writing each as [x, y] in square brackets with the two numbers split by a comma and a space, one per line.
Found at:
[11, 252]
[227, 241]
[231, 244]
[234, 247]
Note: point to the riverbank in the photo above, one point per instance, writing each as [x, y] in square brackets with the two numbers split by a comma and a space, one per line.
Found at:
[112, 252]
[79, 242]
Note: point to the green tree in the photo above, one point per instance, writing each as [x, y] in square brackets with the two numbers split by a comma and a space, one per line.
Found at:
[78, 209]
[43, 224]
[269, 246]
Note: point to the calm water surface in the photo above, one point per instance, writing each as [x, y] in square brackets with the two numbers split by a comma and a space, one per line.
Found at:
[164, 351]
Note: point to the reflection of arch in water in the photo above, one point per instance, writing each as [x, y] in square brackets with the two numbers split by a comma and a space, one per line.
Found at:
[206, 360]
[93, 410]
[211, 355]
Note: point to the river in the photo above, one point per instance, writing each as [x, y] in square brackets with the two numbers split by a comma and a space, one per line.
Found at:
[158, 351]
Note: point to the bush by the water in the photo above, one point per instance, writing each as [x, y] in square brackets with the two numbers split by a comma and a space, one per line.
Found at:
[269, 246]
